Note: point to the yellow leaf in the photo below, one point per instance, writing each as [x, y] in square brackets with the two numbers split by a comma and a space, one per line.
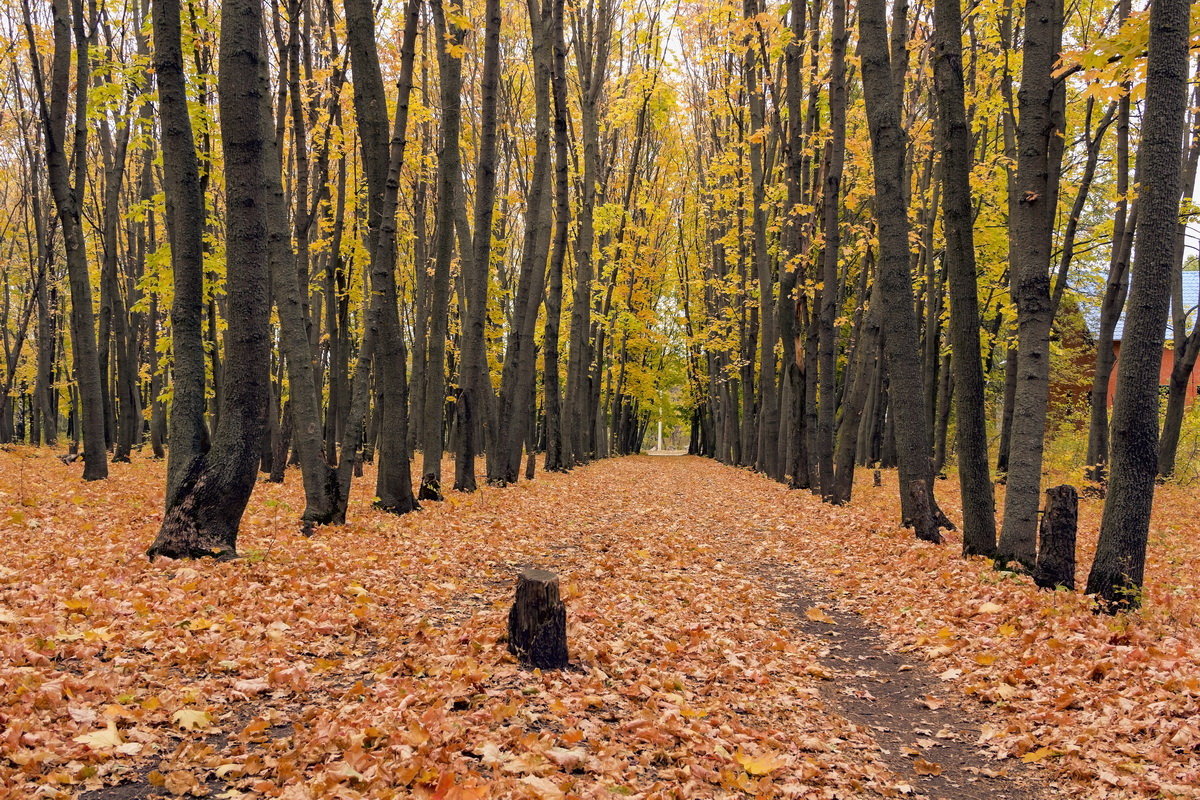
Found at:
[1039, 754]
[191, 719]
[762, 765]
[101, 740]
[985, 659]
[819, 615]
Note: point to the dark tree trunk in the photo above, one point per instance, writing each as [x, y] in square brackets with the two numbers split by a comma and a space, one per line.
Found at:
[186, 431]
[474, 401]
[835, 154]
[901, 343]
[205, 518]
[857, 389]
[555, 461]
[978, 500]
[1187, 347]
[1030, 241]
[1116, 575]
[520, 356]
[382, 340]
[302, 414]
[67, 192]
[591, 39]
[449, 167]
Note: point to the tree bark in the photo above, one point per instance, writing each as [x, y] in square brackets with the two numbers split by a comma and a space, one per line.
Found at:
[975, 483]
[187, 433]
[449, 35]
[205, 518]
[555, 461]
[901, 343]
[67, 193]
[1056, 551]
[382, 339]
[474, 401]
[1030, 241]
[537, 622]
[1117, 572]
[835, 154]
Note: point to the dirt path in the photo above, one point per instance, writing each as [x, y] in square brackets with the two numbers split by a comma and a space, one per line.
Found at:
[923, 732]
[921, 728]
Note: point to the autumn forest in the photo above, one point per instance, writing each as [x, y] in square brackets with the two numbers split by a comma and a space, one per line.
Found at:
[797, 363]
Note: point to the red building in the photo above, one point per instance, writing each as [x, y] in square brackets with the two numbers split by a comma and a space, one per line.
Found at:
[1191, 299]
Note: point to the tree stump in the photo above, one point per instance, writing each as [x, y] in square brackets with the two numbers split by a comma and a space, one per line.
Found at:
[877, 478]
[431, 488]
[923, 521]
[537, 623]
[1056, 551]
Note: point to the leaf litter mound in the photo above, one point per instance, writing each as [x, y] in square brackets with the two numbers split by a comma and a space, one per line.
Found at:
[369, 660]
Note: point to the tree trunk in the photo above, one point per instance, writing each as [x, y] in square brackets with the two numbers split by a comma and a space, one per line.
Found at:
[835, 154]
[1187, 348]
[382, 339]
[474, 406]
[555, 461]
[537, 622]
[1116, 575]
[67, 194]
[520, 356]
[205, 518]
[187, 433]
[975, 483]
[901, 343]
[302, 415]
[449, 167]
[1030, 242]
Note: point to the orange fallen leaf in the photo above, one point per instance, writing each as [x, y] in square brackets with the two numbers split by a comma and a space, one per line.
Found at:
[923, 767]
[819, 615]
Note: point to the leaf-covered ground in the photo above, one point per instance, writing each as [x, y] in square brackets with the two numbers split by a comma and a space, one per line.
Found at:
[368, 661]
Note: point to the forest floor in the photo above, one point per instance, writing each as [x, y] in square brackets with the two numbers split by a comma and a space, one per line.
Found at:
[729, 638]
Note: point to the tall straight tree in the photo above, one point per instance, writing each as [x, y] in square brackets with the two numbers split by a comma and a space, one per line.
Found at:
[901, 346]
[382, 341]
[1030, 241]
[591, 39]
[555, 460]
[449, 38]
[1117, 571]
[208, 507]
[67, 176]
[831, 204]
[767, 450]
[979, 514]
[474, 399]
[187, 432]
[520, 357]
[320, 482]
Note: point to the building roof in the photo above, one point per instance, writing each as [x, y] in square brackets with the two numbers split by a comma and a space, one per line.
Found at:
[1191, 300]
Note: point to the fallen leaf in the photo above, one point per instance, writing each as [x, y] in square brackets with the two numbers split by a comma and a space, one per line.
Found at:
[923, 767]
[760, 765]
[102, 740]
[191, 719]
[819, 615]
